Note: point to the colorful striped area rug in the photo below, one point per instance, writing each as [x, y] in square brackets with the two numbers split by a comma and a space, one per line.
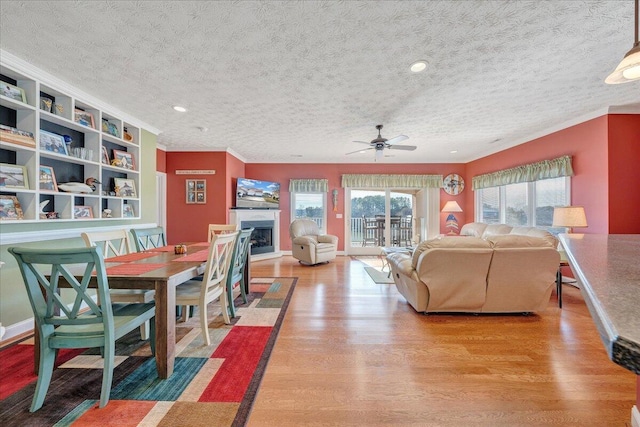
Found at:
[211, 385]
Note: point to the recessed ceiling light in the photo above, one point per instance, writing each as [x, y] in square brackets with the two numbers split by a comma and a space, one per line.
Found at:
[179, 108]
[453, 151]
[296, 155]
[418, 66]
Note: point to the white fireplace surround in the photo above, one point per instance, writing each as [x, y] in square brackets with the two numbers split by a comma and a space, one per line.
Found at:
[237, 216]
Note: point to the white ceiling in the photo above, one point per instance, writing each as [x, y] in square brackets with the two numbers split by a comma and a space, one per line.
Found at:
[274, 80]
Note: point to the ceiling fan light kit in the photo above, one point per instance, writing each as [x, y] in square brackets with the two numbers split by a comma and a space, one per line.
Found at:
[380, 143]
[629, 68]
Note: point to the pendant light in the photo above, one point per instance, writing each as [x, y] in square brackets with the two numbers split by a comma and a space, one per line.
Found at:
[629, 68]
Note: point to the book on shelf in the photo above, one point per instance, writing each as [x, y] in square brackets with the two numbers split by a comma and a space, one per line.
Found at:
[16, 136]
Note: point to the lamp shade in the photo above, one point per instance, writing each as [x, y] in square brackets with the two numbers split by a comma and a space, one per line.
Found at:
[569, 216]
[629, 68]
[451, 206]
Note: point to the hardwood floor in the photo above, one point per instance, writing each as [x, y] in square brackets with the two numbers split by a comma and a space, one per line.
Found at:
[354, 353]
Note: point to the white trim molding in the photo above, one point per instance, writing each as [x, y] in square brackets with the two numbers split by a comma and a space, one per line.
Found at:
[69, 233]
[635, 417]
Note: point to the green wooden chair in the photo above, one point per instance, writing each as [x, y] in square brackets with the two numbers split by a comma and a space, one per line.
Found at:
[236, 269]
[212, 285]
[114, 243]
[148, 238]
[62, 325]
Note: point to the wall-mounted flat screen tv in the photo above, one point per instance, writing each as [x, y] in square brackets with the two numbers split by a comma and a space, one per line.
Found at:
[252, 193]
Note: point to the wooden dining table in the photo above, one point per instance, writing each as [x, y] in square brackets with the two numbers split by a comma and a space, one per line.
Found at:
[162, 270]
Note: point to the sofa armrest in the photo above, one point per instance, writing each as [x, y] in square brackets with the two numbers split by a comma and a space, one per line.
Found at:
[305, 240]
[328, 238]
[401, 263]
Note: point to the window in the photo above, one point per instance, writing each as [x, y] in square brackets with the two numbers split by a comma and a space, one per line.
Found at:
[523, 204]
[311, 206]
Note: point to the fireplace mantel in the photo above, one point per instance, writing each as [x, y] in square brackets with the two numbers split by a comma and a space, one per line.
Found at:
[237, 216]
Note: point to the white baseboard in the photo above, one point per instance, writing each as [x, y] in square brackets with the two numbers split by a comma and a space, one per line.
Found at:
[635, 417]
[18, 329]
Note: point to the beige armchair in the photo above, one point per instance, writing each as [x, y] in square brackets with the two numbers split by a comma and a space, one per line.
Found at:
[308, 245]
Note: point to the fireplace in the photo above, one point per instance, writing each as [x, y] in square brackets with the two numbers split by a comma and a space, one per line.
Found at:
[262, 236]
[265, 239]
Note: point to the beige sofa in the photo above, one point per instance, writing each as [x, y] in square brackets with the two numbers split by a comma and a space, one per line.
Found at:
[308, 245]
[492, 269]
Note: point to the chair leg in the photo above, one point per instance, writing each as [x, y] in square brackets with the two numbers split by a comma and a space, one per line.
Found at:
[185, 313]
[45, 371]
[144, 331]
[204, 324]
[152, 333]
[107, 372]
[232, 308]
[243, 292]
[225, 309]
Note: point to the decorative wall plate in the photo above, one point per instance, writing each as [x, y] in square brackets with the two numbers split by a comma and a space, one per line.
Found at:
[453, 184]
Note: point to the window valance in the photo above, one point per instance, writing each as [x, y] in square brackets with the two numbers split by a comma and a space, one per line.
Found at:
[388, 181]
[308, 185]
[545, 169]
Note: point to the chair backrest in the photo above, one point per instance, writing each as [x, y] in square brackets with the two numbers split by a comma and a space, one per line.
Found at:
[218, 262]
[112, 243]
[148, 238]
[303, 227]
[240, 250]
[221, 228]
[65, 263]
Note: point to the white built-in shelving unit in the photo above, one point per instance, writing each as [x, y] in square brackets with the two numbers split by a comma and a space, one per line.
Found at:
[85, 158]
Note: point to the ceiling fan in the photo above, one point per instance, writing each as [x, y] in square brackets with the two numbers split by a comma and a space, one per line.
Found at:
[380, 143]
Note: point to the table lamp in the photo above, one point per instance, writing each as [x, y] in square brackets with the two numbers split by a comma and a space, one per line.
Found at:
[569, 217]
[452, 222]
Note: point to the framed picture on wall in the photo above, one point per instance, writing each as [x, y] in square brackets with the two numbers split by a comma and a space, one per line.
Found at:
[196, 191]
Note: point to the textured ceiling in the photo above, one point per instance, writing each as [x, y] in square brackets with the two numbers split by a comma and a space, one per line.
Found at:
[274, 80]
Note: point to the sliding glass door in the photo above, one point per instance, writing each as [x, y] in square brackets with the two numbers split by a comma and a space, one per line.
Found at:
[378, 218]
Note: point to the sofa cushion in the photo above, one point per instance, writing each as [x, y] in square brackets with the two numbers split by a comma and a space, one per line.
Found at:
[474, 229]
[496, 230]
[448, 242]
[518, 241]
[535, 232]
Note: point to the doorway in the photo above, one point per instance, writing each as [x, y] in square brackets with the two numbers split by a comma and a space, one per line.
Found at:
[378, 218]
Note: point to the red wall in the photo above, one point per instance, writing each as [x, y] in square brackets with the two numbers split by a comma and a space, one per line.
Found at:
[605, 155]
[586, 143]
[282, 173]
[188, 223]
[624, 173]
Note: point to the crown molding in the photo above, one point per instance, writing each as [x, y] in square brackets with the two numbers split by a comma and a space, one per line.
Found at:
[229, 150]
[23, 67]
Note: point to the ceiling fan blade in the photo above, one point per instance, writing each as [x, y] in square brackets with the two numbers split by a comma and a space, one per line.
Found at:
[361, 150]
[362, 142]
[402, 147]
[397, 139]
